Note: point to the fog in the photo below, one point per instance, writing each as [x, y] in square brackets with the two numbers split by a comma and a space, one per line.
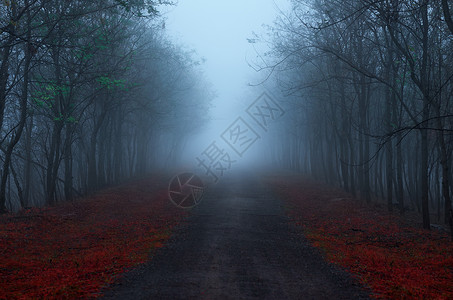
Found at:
[356, 94]
[226, 149]
[224, 34]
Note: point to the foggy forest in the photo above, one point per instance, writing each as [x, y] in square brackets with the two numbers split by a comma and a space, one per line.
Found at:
[284, 149]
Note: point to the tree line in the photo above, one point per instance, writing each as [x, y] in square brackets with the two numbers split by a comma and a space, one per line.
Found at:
[87, 88]
[372, 98]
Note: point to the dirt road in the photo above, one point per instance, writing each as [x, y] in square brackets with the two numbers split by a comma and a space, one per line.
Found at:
[238, 244]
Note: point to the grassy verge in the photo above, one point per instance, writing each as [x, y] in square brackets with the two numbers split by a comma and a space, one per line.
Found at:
[395, 259]
[75, 249]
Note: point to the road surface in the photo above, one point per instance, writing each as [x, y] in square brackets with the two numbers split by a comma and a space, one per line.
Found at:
[237, 244]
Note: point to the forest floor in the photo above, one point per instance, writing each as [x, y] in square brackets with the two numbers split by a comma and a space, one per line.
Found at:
[283, 237]
[388, 252]
[74, 249]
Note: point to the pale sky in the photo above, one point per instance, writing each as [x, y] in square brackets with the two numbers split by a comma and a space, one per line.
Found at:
[218, 31]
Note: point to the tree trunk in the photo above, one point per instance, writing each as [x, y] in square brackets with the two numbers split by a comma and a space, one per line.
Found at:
[28, 159]
[18, 132]
[53, 163]
[68, 178]
[424, 180]
[92, 165]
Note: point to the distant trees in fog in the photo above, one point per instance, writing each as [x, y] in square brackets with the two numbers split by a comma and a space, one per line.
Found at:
[86, 90]
[373, 98]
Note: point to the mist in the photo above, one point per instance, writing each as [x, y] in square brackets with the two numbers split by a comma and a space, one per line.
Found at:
[226, 149]
[225, 36]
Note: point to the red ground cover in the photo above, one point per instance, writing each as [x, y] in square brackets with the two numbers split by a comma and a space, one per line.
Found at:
[395, 259]
[73, 250]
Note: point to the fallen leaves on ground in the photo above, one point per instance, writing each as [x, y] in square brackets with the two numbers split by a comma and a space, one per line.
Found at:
[395, 259]
[75, 249]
